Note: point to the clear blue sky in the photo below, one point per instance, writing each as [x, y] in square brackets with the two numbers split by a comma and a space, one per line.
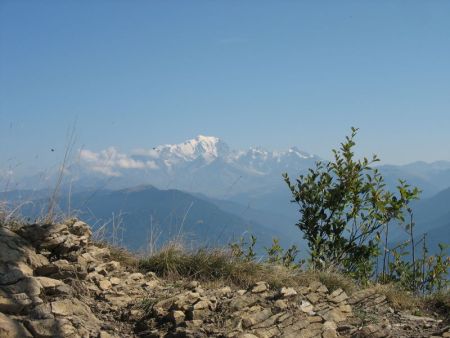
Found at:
[271, 73]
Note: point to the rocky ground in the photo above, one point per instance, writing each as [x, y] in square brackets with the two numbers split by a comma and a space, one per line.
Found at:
[54, 282]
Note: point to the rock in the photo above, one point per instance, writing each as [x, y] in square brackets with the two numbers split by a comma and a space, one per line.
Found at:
[51, 328]
[241, 302]
[251, 319]
[118, 301]
[315, 319]
[136, 276]
[177, 317]
[313, 297]
[268, 332]
[371, 331]
[310, 332]
[104, 284]
[345, 308]
[10, 274]
[202, 304]
[13, 303]
[104, 334]
[334, 315]
[260, 287]
[280, 304]
[49, 283]
[314, 286]
[329, 333]
[224, 292]
[287, 292]
[80, 229]
[115, 281]
[193, 284]
[306, 306]
[68, 307]
[42, 311]
[27, 285]
[329, 325]
[9, 328]
[198, 314]
[338, 296]
[152, 284]
[418, 318]
[61, 269]
[268, 322]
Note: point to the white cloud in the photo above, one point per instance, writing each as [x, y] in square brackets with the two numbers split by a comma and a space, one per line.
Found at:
[152, 153]
[88, 155]
[151, 165]
[108, 171]
[129, 163]
[109, 161]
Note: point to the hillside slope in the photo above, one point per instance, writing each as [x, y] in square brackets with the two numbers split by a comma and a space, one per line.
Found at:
[146, 214]
[55, 282]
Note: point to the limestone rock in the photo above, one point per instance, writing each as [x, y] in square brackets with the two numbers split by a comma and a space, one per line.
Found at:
[306, 306]
[260, 287]
[371, 331]
[338, 296]
[334, 315]
[13, 303]
[9, 328]
[49, 328]
[287, 292]
[104, 284]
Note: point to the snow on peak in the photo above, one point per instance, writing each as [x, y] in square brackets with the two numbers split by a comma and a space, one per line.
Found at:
[299, 153]
[202, 146]
[202, 150]
[207, 148]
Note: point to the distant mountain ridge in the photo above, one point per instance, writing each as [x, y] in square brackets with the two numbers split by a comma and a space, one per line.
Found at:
[142, 212]
[245, 183]
[201, 219]
[205, 164]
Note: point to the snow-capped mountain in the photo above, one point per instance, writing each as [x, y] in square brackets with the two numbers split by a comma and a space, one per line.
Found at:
[203, 148]
[205, 164]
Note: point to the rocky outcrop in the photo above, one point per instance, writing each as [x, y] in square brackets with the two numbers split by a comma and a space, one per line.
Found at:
[54, 282]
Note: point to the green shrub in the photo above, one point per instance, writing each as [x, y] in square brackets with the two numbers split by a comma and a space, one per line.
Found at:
[344, 205]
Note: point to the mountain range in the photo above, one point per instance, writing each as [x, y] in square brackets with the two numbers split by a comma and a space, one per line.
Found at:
[216, 193]
[207, 165]
[145, 216]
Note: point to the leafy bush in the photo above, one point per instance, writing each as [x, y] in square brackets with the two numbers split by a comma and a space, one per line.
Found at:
[345, 214]
[287, 258]
[343, 205]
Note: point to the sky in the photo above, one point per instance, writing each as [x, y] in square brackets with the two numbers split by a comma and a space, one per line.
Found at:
[136, 74]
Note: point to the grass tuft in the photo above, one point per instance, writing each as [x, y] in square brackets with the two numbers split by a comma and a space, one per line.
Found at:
[398, 298]
[126, 258]
[210, 265]
[439, 303]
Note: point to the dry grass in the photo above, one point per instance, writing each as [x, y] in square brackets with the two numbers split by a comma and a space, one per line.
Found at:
[439, 303]
[332, 280]
[10, 219]
[211, 265]
[399, 299]
[218, 266]
[126, 258]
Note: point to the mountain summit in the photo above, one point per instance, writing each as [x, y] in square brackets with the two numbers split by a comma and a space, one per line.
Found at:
[207, 148]
[203, 164]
